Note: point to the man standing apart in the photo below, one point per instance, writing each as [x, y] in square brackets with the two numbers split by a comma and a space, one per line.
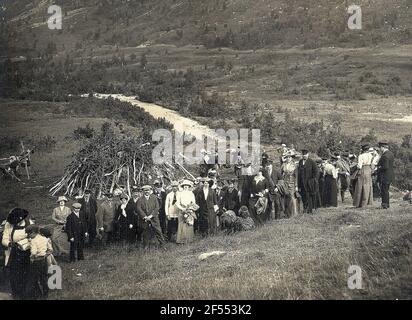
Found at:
[385, 172]
[308, 181]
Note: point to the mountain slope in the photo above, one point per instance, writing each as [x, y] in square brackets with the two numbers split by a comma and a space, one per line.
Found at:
[235, 23]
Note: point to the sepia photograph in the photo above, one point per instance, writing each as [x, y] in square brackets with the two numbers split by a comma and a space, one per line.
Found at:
[205, 150]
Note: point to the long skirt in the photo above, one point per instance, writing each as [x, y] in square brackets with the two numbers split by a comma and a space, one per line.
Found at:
[61, 247]
[363, 195]
[19, 264]
[37, 280]
[185, 232]
[291, 205]
[330, 192]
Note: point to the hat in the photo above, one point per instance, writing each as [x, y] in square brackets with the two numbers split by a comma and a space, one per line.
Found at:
[305, 151]
[290, 153]
[32, 229]
[87, 191]
[365, 147]
[62, 198]
[109, 194]
[76, 205]
[124, 196]
[383, 144]
[243, 212]
[135, 189]
[17, 215]
[146, 187]
[46, 232]
[371, 149]
[174, 183]
[157, 182]
[188, 182]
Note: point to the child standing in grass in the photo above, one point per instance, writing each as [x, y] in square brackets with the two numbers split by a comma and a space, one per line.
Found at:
[40, 247]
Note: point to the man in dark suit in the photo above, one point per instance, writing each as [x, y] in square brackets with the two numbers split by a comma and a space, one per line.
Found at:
[308, 181]
[385, 172]
[88, 214]
[230, 198]
[148, 210]
[76, 233]
[273, 176]
[160, 194]
[207, 201]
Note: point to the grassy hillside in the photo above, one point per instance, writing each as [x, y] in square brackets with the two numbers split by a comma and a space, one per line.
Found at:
[305, 257]
[230, 23]
[302, 258]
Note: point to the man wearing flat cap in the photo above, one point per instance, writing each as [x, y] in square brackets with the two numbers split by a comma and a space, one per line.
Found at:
[385, 172]
[76, 232]
[148, 210]
[105, 219]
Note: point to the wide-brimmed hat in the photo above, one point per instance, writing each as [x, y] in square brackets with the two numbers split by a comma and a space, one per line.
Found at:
[76, 205]
[87, 191]
[109, 195]
[174, 183]
[62, 198]
[157, 181]
[147, 187]
[187, 183]
[365, 147]
[17, 215]
[290, 153]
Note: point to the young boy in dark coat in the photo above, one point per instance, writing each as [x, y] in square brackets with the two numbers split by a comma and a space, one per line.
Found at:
[76, 233]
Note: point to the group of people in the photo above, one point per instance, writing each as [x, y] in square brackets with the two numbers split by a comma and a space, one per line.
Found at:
[158, 213]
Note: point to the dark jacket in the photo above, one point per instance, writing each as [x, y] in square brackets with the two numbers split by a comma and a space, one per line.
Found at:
[89, 218]
[385, 167]
[146, 207]
[230, 200]
[75, 228]
[308, 174]
[273, 177]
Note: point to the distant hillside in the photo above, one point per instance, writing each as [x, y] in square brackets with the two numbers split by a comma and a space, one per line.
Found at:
[244, 24]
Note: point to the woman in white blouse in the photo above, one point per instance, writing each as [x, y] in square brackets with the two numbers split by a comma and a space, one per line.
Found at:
[185, 201]
[363, 194]
[15, 239]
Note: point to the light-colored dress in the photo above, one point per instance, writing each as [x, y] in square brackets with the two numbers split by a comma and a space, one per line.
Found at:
[290, 178]
[61, 245]
[363, 195]
[185, 232]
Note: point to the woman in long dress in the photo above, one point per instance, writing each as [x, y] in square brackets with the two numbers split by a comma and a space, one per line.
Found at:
[363, 195]
[330, 188]
[61, 247]
[290, 178]
[186, 203]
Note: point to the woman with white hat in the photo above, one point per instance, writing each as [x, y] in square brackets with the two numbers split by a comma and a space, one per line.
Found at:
[59, 238]
[186, 203]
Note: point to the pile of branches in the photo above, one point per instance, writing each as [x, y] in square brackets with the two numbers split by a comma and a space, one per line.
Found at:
[112, 161]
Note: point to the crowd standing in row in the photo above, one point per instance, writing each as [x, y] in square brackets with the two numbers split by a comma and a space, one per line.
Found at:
[158, 213]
